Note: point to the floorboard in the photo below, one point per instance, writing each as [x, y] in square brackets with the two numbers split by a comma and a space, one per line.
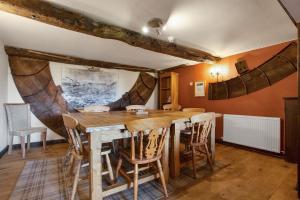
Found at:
[250, 176]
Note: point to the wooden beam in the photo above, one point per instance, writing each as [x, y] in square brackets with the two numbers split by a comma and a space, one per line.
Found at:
[298, 116]
[174, 68]
[52, 14]
[13, 51]
[287, 12]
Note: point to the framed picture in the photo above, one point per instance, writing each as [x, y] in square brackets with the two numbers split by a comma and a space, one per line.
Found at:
[199, 89]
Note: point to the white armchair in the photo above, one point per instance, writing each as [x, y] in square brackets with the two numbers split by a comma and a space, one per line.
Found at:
[19, 124]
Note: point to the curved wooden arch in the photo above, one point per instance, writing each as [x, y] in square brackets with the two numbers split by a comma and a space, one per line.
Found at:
[35, 84]
[275, 69]
[139, 94]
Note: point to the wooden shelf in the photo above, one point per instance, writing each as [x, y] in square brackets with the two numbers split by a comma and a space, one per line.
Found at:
[168, 88]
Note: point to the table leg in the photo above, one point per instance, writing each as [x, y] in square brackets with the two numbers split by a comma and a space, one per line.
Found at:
[212, 139]
[175, 150]
[165, 157]
[95, 166]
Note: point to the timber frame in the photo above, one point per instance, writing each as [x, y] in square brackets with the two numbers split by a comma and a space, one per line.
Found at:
[55, 15]
[13, 51]
[298, 139]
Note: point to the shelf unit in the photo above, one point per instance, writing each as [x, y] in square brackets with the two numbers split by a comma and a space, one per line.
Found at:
[168, 88]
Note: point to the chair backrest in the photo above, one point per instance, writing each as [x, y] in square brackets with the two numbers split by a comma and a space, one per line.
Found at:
[201, 127]
[135, 107]
[150, 137]
[97, 108]
[18, 116]
[202, 110]
[172, 107]
[73, 135]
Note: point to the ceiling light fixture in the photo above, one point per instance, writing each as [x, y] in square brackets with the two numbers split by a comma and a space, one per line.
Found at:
[145, 29]
[158, 26]
[171, 39]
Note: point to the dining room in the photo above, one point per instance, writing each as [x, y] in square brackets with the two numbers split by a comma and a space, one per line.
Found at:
[149, 100]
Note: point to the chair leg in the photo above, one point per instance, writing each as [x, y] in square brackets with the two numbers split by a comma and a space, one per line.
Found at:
[208, 157]
[28, 142]
[118, 167]
[194, 161]
[11, 142]
[22, 139]
[44, 137]
[76, 179]
[68, 156]
[135, 182]
[109, 168]
[162, 177]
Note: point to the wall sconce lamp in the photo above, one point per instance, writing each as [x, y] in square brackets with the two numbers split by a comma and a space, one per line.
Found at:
[217, 72]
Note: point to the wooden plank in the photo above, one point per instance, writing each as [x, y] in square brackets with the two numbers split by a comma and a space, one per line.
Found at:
[28, 53]
[52, 14]
[298, 139]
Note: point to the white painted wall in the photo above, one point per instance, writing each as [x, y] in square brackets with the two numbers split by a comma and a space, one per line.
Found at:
[3, 96]
[126, 79]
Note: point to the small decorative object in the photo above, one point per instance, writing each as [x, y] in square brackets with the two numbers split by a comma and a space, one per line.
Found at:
[200, 89]
[241, 66]
[141, 112]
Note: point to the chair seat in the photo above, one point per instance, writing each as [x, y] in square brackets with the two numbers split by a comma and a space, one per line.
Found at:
[28, 131]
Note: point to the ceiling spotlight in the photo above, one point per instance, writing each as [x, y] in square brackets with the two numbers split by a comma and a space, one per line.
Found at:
[171, 39]
[145, 29]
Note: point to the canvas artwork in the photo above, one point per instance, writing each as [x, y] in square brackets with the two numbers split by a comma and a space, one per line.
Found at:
[200, 89]
[83, 87]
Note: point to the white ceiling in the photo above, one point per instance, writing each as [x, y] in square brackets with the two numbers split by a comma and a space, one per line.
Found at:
[221, 27]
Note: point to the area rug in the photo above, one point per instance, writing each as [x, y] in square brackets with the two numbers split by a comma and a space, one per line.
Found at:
[44, 179]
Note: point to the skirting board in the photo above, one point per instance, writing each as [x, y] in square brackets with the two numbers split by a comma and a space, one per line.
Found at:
[32, 144]
[269, 153]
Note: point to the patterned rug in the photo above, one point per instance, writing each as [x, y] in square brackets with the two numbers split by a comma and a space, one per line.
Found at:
[44, 179]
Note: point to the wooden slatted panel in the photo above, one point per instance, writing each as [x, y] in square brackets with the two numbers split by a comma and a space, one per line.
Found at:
[275, 69]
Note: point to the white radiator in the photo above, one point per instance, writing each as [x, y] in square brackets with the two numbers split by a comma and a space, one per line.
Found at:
[258, 132]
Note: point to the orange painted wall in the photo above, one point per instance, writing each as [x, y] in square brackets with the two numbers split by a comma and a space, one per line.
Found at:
[265, 102]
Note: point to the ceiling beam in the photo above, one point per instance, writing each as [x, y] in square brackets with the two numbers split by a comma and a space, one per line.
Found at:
[55, 15]
[174, 68]
[287, 12]
[13, 51]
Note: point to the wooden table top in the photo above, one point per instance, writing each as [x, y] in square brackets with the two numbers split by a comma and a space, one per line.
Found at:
[90, 120]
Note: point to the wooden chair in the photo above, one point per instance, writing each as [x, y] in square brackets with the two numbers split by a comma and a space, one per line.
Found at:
[82, 151]
[201, 127]
[135, 107]
[97, 108]
[19, 124]
[185, 134]
[147, 142]
[172, 107]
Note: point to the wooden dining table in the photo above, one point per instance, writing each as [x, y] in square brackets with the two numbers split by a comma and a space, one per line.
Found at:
[108, 126]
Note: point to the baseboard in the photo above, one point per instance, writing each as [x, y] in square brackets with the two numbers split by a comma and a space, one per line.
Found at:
[33, 144]
[3, 151]
[269, 153]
